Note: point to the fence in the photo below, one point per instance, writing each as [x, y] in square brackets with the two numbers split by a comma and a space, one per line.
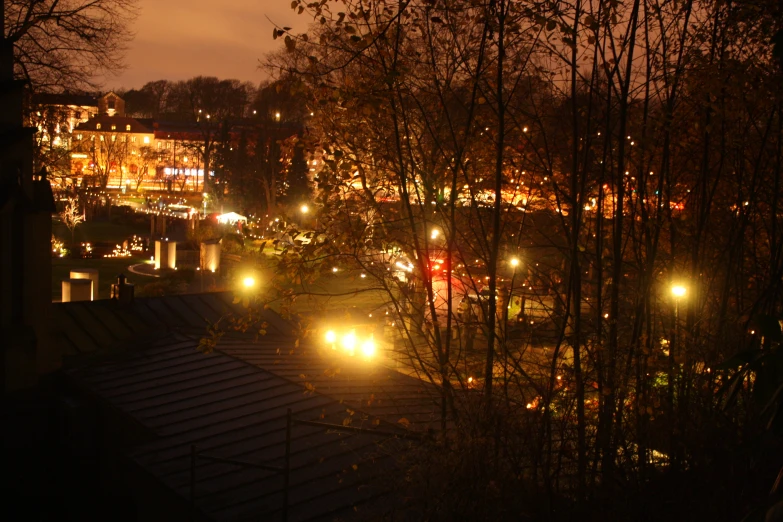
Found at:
[285, 471]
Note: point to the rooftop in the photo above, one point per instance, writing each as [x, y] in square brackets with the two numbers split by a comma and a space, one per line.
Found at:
[233, 403]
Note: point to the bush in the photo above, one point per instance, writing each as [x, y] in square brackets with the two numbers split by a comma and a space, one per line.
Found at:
[162, 287]
[176, 282]
[233, 243]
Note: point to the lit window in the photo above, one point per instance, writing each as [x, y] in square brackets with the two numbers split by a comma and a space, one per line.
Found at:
[98, 126]
[146, 139]
[113, 137]
[168, 145]
[127, 127]
[133, 139]
[101, 138]
[160, 144]
[113, 127]
[78, 136]
[124, 139]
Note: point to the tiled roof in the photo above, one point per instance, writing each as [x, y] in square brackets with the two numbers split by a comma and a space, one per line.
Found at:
[371, 387]
[119, 122]
[232, 404]
[105, 326]
[230, 409]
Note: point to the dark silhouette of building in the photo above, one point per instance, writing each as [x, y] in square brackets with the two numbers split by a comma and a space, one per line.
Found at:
[26, 205]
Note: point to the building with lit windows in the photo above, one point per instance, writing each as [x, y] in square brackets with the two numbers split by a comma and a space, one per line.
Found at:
[115, 151]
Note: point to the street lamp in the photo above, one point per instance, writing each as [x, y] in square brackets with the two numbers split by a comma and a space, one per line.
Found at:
[205, 204]
[304, 209]
[678, 291]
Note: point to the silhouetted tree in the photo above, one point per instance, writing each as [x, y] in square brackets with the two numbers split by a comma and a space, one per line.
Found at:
[63, 45]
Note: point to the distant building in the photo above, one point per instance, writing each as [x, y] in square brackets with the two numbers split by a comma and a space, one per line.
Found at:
[118, 152]
[111, 104]
[56, 115]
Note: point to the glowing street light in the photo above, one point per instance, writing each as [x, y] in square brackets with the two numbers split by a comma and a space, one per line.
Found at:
[249, 282]
[678, 291]
[514, 262]
[304, 209]
[349, 342]
[368, 348]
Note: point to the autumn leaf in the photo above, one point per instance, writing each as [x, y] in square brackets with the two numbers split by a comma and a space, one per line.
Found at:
[290, 44]
[405, 422]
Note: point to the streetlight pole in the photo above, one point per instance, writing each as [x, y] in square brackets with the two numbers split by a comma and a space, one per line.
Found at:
[678, 291]
[514, 262]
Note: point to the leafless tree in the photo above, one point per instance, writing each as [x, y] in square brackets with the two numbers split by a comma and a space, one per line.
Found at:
[72, 216]
[65, 43]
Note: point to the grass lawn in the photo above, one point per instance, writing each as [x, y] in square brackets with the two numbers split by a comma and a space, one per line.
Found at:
[95, 231]
[108, 270]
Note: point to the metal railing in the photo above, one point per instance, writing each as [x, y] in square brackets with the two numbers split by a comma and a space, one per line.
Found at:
[285, 470]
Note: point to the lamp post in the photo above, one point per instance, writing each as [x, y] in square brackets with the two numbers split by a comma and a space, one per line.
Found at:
[305, 209]
[204, 201]
[507, 302]
[678, 292]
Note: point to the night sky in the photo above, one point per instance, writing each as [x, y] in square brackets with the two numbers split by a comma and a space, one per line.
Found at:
[179, 39]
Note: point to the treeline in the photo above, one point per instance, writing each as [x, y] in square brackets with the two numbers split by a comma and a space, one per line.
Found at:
[189, 100]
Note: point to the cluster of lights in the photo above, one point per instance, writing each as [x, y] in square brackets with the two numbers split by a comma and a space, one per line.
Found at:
[408, 267]
[136, 244]
[119, 251]
[350, 343]
[58, 247]
[170, 171]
